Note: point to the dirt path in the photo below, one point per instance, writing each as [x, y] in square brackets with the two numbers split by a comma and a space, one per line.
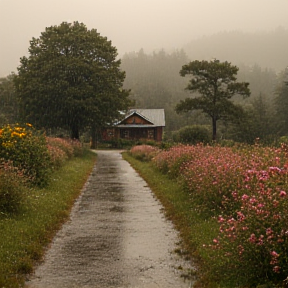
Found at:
[116, 237]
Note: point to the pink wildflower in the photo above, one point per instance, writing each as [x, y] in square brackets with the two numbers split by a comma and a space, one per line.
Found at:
[274, 254]
[282, 193]
[221, 219]
[245, 197]
[252, 238]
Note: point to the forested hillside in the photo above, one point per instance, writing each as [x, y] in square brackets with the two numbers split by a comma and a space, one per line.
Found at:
[267, 49]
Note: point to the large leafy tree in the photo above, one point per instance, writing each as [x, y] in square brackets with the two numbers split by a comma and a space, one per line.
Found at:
[214, 83]
[8, 101]
[71, 80]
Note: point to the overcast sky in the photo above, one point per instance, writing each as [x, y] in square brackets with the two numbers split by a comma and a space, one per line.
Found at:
[133, 24]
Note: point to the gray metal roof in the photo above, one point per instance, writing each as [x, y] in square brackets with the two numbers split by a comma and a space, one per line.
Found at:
[155, 116]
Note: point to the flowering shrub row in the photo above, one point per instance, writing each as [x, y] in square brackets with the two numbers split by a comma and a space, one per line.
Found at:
[27, 157]
[61, 150]
[26, 148]
[144, 152]
[245, 188]
[12, 187]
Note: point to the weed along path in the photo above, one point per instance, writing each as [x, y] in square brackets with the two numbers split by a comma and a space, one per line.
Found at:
[117, 236]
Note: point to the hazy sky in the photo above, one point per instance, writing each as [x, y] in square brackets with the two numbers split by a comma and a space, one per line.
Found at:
[133, 24]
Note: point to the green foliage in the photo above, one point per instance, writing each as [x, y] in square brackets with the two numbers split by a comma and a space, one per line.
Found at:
[8, 101]
[26, 149]
[216, 83]
[281, 103]
[71, 80]
[258, 122]
[12, 188]
[192, 135]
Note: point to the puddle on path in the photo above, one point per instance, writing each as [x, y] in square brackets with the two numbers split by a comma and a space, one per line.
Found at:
[117, 236]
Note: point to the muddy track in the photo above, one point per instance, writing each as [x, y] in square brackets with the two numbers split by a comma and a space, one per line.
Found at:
[117, 236]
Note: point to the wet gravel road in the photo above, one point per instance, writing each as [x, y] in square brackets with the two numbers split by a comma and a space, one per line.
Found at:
[117, 236]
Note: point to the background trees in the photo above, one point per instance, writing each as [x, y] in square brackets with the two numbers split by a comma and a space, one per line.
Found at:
[216, 84]
[281, 102]
[71, 80]
[8, 103]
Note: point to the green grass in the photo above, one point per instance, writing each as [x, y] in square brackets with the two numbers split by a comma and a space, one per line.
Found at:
[25, 235]
[195, 229]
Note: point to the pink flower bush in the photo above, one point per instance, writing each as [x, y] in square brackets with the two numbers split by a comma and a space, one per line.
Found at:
[61, 149]
[246, 189]
[144, 152]
[170, 161]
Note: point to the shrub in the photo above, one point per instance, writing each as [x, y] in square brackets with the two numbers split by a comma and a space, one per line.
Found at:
[27, 150]
[144, 152]
[192, 135]
[57, 156]
[61, 149]
[12, 188]
[169, 161]
[246, 188]
[63, 144]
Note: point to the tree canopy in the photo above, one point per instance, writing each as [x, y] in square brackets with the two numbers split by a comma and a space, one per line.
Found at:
[215, 83]
[8, 103]
[281, 102]
[71, 80]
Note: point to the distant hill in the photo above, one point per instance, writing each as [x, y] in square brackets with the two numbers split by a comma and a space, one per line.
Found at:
[267, 49]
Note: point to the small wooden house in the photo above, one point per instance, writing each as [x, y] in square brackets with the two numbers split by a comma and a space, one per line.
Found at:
[138, 124]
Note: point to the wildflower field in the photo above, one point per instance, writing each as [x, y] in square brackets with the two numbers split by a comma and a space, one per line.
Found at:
[40, 177]
[242, 192]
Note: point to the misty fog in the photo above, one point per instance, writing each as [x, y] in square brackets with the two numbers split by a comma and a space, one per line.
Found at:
[151, 24]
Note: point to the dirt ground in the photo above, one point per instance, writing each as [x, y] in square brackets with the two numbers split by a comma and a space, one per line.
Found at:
[117, 236]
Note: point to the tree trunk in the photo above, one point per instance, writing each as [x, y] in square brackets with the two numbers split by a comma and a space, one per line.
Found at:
[214, 129]
[75, 133]
[93, 144]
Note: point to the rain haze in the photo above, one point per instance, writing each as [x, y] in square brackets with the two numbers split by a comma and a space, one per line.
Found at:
[133, 24]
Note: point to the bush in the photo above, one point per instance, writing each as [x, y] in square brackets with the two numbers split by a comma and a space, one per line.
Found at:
[192, 135]
[61, 149]
[12, 188]
[144, 152]
[62, 144]
[27, 150]
[246, 188]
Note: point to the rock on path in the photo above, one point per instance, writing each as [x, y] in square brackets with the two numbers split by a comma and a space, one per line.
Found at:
[116, 236]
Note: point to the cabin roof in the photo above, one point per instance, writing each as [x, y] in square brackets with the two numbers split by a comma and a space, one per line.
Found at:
[155, 116]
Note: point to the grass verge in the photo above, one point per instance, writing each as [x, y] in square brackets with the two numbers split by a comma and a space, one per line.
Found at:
[195, 230]
[25, 235]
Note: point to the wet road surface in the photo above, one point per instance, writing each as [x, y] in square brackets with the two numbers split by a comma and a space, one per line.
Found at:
[117, 236]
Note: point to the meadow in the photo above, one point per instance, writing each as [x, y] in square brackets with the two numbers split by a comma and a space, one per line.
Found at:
[229, 204]
[40, 178]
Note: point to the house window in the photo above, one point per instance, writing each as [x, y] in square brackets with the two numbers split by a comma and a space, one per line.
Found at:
[110, 132]
[151, 134]
[124, 133]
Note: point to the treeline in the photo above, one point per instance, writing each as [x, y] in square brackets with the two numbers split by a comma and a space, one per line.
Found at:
[267, 49]
[155, 82]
